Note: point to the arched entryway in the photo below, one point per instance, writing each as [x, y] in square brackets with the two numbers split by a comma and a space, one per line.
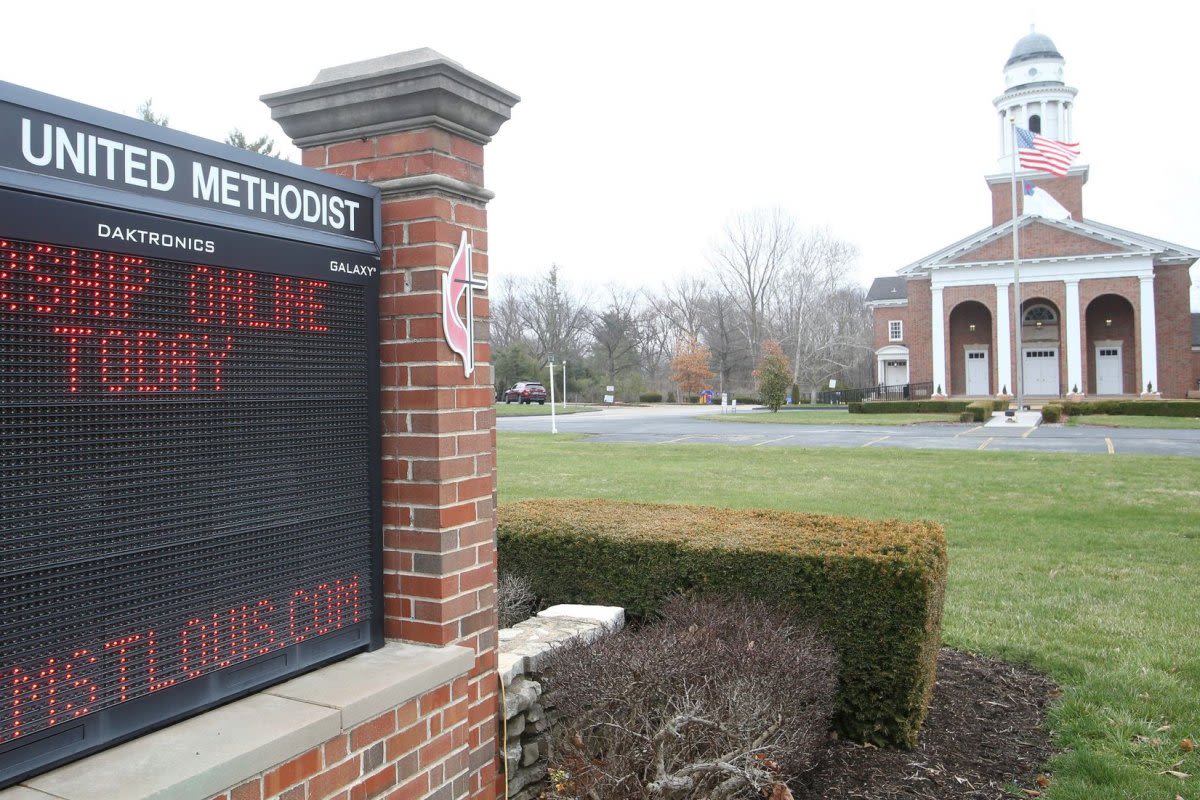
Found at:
[1041, 348]
[1111, 339]
[970, 363]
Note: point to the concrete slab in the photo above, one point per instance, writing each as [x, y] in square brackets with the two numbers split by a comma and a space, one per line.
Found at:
[197, 757]
[368, 684]
[611, 617]
[1019, 419]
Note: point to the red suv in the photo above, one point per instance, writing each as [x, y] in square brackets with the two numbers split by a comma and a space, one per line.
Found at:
[526, 392]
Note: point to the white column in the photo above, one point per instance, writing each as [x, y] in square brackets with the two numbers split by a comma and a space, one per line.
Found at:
[1074, 343]
[938, 343]
[1148, 335]
[1004, 365]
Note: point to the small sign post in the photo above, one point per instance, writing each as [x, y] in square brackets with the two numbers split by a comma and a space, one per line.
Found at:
[553, 420]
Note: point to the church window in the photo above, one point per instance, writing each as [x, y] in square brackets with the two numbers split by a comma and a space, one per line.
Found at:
[895, 330]
[1035, 124]
[1040, 315]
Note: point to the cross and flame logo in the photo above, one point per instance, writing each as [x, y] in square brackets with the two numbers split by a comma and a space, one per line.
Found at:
[458, 283]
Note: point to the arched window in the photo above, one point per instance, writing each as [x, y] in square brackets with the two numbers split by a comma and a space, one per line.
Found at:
[1040, 315]
[1035, 124]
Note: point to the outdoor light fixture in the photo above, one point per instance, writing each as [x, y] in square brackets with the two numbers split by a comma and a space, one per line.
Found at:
[1038, 323]
[971, 327]
[1108, 323]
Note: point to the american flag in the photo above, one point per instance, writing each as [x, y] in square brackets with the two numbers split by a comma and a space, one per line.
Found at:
[1046, 155]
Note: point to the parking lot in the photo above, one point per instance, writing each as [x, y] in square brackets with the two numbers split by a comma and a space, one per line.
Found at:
[706, 425]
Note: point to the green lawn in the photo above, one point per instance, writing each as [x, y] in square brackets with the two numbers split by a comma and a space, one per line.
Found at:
[518, 410]
[829, 418]
[1123, 421]
[1087, 567]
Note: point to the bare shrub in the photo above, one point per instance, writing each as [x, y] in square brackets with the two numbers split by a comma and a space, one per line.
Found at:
[514, 599]
[717, 699]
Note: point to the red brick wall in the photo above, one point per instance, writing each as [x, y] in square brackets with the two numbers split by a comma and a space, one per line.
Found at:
[1067, 190]
[1173, 320]
[1038, 240]
[962, 305]
[1089, 291]
[920, 330]
[439, 440]
[415, 751]
[1123, 329]
[880, 318]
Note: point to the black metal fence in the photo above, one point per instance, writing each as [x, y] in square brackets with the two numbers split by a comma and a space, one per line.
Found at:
[904, 391]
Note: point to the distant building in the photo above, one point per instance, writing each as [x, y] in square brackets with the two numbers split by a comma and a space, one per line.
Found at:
[1103, 310]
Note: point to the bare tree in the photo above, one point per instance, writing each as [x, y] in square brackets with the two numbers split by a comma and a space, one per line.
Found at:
[616, 333]
[756, 249]
[819, 267]
[505, 324]
[555, 319]
[726, 340]
[838, 340]
[681, 305]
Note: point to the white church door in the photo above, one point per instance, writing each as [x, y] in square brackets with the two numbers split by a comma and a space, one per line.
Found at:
[1041, 371]
[1109, 379]
[977, 372]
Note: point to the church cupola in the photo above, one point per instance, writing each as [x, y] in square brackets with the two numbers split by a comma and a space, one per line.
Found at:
[1038, 99]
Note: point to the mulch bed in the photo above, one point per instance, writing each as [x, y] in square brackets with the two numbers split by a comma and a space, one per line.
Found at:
[985, 731]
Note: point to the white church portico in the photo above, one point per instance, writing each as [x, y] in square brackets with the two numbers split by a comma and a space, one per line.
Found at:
[1103, 310]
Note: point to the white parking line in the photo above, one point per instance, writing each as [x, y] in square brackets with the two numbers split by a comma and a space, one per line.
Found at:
[772, 441]
[972, 430]
[876, 441]
[680, 439]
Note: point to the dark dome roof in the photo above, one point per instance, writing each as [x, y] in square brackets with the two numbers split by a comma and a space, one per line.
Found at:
[1033, 45]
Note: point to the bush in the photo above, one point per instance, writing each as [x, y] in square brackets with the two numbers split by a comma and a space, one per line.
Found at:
[650, 397]
[1145, 408]
[875, 587]
[1052, 412]
[514, 599]
[909, 407]
[743, 400]
[670, 397]
[718, 693]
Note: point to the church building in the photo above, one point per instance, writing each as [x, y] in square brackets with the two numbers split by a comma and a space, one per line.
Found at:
[1104, 311]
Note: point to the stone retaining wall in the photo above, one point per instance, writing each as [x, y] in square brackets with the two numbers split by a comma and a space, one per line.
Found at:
[523, 650]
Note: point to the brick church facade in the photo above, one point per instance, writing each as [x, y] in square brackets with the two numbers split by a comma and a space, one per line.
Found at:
[1104, 311]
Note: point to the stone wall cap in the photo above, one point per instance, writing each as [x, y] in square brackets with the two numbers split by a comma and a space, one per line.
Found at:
[205, 754]
[390, 94]
[611, 617]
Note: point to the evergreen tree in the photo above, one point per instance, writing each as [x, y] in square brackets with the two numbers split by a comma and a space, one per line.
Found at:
[773, 375]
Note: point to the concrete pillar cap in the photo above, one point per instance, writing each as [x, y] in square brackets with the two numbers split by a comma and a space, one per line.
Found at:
[403, 91]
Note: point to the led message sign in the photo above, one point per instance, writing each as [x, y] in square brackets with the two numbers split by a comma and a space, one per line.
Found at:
[188, 432]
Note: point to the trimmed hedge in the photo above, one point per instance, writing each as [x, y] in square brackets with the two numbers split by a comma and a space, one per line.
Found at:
[908, 407]
[875, 587]
[1052, 412]
[1143, 408]
[650, 397]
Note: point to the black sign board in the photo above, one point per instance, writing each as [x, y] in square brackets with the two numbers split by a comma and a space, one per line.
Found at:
[188, 426]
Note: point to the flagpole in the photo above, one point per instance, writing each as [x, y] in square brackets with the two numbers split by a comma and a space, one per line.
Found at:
[1012, 124]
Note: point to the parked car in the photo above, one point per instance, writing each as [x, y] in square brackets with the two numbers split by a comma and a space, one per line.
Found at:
[526, 392]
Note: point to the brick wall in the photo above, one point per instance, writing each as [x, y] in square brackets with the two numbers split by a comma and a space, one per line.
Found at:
[1172, 317]
[920, 331]
[1039, 240]
[417, 750]
[964, 306]
[880, 318]
[1099, 295]
[1066, 190]
[415, 125]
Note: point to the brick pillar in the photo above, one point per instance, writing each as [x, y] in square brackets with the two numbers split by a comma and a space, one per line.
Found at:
[415, 125]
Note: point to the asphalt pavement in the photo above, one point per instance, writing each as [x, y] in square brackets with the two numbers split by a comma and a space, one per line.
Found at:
[708, 425]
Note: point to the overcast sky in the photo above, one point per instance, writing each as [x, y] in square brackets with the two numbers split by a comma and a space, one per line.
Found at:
[644, 126]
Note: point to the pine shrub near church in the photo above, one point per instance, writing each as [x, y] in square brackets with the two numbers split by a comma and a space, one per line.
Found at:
[874, 587]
